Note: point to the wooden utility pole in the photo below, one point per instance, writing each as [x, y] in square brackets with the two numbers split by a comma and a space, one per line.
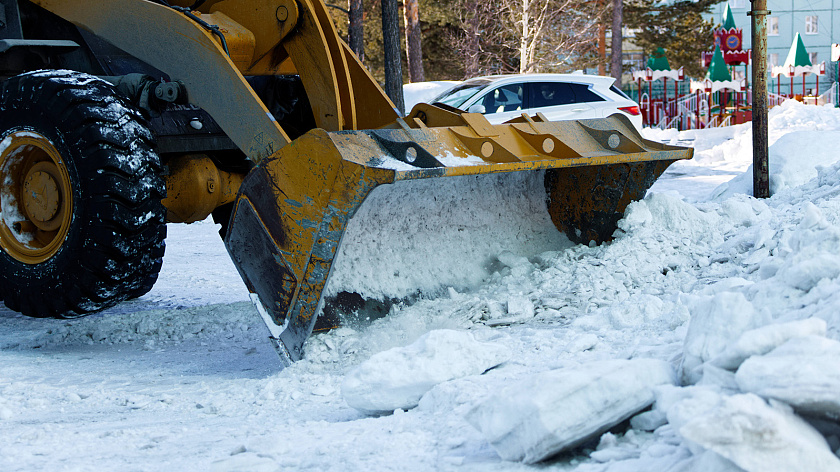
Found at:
[761, 168]
[413, 41]
[357, 29]
[393, 59]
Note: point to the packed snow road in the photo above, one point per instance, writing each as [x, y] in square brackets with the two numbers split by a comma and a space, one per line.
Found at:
[711, 323]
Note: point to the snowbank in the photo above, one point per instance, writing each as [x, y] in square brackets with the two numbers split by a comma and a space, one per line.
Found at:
[800, 138]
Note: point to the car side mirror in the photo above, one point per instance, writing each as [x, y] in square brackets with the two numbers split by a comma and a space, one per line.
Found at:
[477, 108]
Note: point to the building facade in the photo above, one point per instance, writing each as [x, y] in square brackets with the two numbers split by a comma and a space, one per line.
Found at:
[817, 21]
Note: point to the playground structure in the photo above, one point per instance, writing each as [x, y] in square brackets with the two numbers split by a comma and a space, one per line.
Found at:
[798, 64]
[721, 99]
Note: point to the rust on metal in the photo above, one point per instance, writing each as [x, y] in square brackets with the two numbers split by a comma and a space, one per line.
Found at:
[587, 202]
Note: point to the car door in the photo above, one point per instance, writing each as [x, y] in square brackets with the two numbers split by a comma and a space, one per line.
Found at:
[562, 100]
[502, 103]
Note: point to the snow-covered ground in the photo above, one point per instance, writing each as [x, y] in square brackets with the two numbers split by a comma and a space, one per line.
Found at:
[717, 311]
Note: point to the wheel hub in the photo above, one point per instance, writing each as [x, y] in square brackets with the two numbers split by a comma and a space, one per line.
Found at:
[41, 196]
[35, 198]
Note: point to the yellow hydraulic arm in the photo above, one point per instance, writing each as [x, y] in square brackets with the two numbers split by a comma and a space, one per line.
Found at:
[293, 207]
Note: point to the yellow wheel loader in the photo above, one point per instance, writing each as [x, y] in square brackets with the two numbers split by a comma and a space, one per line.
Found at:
[118, 116]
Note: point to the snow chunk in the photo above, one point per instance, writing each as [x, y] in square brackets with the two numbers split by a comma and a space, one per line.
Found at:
[520, 307]
[807, 274]
[760, 438]
[762, 340]
[553, 411]
[648, 420]
[744, 210]
[399, 377]
[451, 160]
[716, 322]
[669, 213]
[803, 372]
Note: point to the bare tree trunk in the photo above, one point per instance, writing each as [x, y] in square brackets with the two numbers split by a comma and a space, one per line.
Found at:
[391, 47]
[523, 42]
[602, 48]
[617, 37]
[413, 41]
[357, 28]
[469, 43]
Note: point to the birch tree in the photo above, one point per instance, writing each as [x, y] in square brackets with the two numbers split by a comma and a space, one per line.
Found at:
[528, 35]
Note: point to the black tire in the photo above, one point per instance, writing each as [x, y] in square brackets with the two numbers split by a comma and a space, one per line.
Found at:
[112, 244]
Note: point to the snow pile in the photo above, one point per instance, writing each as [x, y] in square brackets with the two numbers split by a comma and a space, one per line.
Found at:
[399, 377]
[750, 276]
[545, 414]
[800, 138]
[786, 165]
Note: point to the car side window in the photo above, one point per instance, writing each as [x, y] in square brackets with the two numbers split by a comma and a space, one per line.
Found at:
[549, 94]
[502, 99]
[584, 94]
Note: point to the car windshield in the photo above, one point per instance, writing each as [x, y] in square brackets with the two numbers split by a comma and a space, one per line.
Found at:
[455, 97]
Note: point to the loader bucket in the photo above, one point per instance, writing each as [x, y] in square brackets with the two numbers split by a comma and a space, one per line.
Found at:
[293, 208]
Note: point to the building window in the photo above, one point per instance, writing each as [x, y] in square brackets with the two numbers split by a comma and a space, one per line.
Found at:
[736, 3]
[811, 23]
[813, 57]
[772, 26]
[773, 60]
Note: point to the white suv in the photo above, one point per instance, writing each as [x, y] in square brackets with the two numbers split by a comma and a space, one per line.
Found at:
[558, 96]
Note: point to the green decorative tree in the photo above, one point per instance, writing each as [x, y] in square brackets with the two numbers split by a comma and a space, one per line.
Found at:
[728, 19]
[658, 61]
[677, 27]
[798, 55]
[718, 70]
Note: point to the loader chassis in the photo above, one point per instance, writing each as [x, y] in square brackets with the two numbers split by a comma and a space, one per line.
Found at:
[255, 112]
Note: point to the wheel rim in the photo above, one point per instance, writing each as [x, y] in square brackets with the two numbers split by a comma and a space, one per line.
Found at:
[36, 200]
